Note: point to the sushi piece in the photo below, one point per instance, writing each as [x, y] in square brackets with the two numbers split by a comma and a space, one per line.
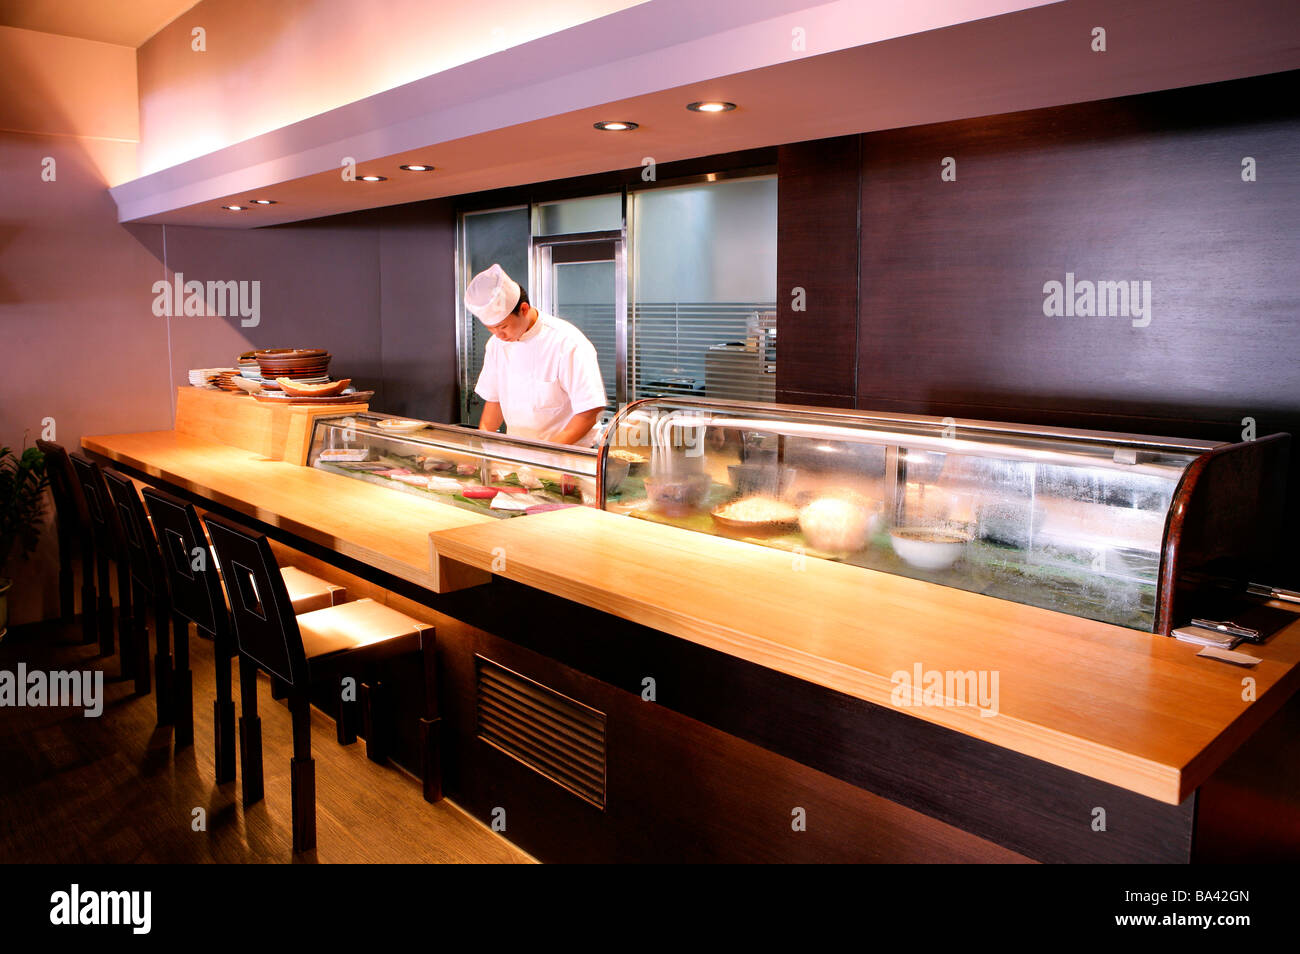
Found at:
[435, 464]
[528, 479]
[445, 485]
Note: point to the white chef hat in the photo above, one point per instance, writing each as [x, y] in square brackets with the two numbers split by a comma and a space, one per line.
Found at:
[492, 295]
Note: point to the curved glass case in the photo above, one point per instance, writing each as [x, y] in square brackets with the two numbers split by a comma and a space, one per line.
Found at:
[488, 473]
[1073, 521]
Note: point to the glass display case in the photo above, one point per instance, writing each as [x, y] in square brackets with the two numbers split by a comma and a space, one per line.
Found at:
[1080, 522]
[493, 474]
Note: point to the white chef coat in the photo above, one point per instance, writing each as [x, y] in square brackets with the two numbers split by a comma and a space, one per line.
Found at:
[542, 380]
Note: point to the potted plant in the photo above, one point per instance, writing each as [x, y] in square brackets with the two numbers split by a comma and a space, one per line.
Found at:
[22, 507]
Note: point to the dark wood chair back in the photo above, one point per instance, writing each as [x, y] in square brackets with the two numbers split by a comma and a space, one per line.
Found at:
[101, 515]
[137, 536]
[266, 629]
[69, 506]
[74, 535]
[192, 576]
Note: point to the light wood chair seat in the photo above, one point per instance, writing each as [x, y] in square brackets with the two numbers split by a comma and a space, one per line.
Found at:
[307, 593]
[358, 625]
[310, 593]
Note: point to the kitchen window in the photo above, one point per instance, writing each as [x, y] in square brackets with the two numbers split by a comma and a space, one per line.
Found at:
[674, 284]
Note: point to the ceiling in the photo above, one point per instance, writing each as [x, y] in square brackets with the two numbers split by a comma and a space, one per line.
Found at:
[122, 22]
[495, 137]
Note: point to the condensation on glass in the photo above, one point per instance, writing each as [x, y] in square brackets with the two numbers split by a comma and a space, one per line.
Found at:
[1072, 521]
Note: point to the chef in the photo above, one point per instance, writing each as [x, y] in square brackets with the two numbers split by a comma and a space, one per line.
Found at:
[540, 375]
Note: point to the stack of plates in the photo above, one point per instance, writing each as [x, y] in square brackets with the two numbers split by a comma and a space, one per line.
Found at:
[249, 367]
[223, 380]
[206, 377]
[310, 366]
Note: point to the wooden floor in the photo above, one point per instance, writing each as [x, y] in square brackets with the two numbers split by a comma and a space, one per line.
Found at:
[109, 789]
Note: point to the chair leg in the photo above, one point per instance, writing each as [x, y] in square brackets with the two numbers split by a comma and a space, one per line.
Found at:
[183, 687]
[250, 733]
[302, 773]
[430, 723]
[278, 688]
[223, 715]
[105, 622]
[140, 636]
[67, 586]
[346, 723]
[165, 696]
[126, 622]
[374, 701]
[89, 600]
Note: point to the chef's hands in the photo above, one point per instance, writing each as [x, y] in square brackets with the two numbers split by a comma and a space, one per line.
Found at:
[491, 419]
[578, 426]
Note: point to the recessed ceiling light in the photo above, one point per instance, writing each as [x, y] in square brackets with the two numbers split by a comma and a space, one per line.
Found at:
[234, 208]
[615, 126]
[416, 167]
[711, 106]
[372, 178]
[262, 201]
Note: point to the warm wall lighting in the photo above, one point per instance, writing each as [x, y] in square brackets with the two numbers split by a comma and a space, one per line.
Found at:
[261, 201]
[615, 126]
[711, 107]
[416, 167]
[372, 178]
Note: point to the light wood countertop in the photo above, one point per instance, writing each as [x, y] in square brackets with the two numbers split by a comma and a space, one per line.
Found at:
[1136, 710]
[379, 527]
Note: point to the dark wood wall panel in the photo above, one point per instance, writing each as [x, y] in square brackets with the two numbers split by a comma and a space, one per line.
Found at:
[817, 250]
[1146, 188]
[417, 310]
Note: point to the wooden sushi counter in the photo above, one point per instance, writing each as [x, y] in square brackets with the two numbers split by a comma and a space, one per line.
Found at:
[735, 685]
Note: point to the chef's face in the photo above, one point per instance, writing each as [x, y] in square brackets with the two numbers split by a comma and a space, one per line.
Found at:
[512, 327]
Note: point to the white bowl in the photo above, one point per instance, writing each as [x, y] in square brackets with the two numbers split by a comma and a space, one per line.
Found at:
[838, 524]
[938, 553]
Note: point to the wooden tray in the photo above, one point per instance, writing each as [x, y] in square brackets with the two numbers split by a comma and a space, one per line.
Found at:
[357, 397]
[753, 526]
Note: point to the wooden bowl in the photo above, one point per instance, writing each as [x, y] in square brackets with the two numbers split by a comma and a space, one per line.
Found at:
[324, 390]
[282, 353]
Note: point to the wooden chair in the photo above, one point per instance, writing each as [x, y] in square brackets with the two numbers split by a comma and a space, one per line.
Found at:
[148, 587]
[110, 549]
[194, 575]
[303, 651]
[196, 597]
[75, 534]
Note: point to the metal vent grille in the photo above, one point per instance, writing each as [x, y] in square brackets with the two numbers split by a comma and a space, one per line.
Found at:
[550, 733]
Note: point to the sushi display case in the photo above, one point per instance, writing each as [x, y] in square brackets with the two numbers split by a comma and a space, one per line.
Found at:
[1142, 532]
[493, 474]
